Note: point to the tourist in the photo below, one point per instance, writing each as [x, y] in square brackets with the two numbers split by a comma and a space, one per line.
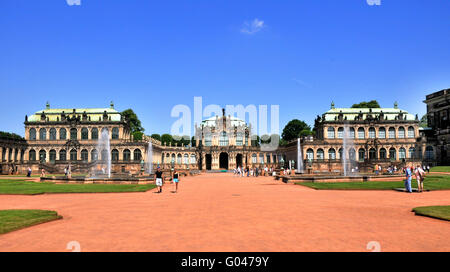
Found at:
[29, 172]
[256, 171]
[159, 179]
[65, 171]
[428, 169]
[43, 173]
[265, 170]
[175, 179]
[408, 173]
[420, 176]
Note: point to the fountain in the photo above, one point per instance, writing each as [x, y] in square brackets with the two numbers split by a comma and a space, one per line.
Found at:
[104, 158]
[299, 158]
[150, 158]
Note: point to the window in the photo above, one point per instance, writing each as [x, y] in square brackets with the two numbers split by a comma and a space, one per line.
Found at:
[32, 134]
[94, 134]
[352, 154]
[179, 159]
[42, 155]
[115, 133]
[361, 133]
[104, 155]
[42, 134]
[62, 134]
[382, 133]
[261, 158]
[73, 155]
[361, 154]
[137, 155]
[115, 155]
[105, 133]
[402, 153]
[310, 154]
[126, 155]
[372, 133]
[340, 154]
[391, 133]
[274, 158]
[32, 155]
[94, 155]
[412, 152]
[84, 134]
[193, 160]
[268, 158]
[208, 139]
[372, 154]
[332, 154]
[411, 132]
[62, 155]
[392, 154]
[52, 155]
[382, 153]
[320, 154]
[253, 158]
[186, 159]
[340, 132]
[401, 132]
[53, 134]
[352, 133]
[84, 155]
[239, 139]
[223, 140]
[330, 132]
[429, 153]
[73, 134]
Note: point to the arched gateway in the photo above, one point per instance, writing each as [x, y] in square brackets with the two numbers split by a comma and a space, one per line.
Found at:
[223, 160]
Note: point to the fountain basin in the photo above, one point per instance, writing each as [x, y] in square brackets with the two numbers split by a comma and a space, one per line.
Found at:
[339, 178]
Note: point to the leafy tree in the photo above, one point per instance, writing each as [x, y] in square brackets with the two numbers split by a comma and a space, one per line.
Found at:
[194, 143]
[167, 139]
[133, 121]
[364, 104]
[137, 135]
[156, 136]
[294, 129]
[424, 121]
[7, 135]
[255, 141]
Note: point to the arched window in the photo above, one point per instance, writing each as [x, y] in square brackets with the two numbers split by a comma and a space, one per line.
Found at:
[105, 133]
[73, 134]
[372, 133]
[382, 133]
[208, 139]
[411, 132]
[340, 132]
[94, 155]
[372, 154]
[340, 153]
[352, 133]
[73, 155]
[223, 140]
[352, 154]
[392, 154]
[115, 155]
[62, 155]
[115, 133]
[32, 135]
[52, 155]
[330, 132]
[126, 155]
[32, 155]
[361, 133]
[310, 154]
[137, 155]
[401, 132]
[391, 133]
[84, 155]
[94, 133]
[429, 155]
[179, 159]
[332, 153]
[172, 158]
[53, 134]
[186, 159]
[42, 155]
[62, 134]
[361, 154]
[402, 153]
[104, 155]
[193, 160]
[320, 154]
[239, 138]
[42, 134]
[412, 153]
[382, 153]
[84, 134]
[253, 158]
[261, 158]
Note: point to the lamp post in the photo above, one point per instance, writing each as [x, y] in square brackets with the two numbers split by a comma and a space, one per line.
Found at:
[172, 166]
[142, 167]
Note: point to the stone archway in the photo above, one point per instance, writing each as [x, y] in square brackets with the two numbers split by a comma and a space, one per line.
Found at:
[239, 160]
[208, 161]
[223, 160]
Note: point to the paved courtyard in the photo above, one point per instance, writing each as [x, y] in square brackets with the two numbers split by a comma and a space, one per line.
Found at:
[219, 212]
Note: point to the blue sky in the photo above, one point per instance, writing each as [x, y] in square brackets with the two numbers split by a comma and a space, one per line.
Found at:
[152, 55]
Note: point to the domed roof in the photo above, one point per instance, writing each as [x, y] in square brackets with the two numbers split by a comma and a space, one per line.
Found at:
[211, 122]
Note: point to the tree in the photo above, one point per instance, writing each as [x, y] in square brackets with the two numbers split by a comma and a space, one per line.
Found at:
[133, 121]
[137, 135]
[364, 104]
[156, 136]
[255, 141]
[424, 121]
[193, 141]
[294, 129]
[167, 139]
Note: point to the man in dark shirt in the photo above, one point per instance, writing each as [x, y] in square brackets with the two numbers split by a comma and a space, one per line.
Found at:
[159, 179]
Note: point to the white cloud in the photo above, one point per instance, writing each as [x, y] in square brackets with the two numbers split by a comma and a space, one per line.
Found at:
[253, 26]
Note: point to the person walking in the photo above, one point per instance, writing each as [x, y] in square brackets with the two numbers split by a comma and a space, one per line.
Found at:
[159, 179]
[29, 172]
[408, 173]
[420, 176]
[175, 179]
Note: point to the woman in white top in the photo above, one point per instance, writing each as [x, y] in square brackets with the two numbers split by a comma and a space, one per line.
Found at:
[420, 176]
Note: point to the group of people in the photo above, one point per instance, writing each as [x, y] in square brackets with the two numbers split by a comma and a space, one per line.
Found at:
[159, 179]
[419, 173]
[253, 171]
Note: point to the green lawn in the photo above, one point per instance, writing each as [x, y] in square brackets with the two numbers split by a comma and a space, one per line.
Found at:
[440, 169]
[431, 183]
[439, 212]
[31, 188]
[17, 219]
